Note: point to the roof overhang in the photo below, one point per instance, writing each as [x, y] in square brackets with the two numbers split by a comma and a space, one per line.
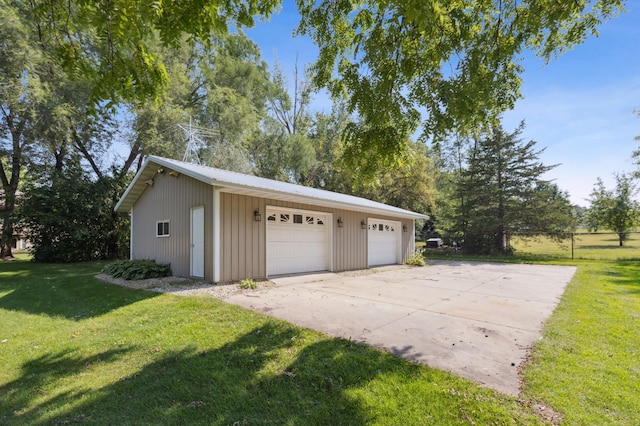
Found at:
[256, 187]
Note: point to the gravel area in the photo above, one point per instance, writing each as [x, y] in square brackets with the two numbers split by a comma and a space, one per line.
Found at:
[190, 287]
[185, 286]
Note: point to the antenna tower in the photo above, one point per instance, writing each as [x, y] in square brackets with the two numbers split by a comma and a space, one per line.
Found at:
[194, 143]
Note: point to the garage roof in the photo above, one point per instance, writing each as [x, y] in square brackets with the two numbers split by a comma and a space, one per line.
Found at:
[255, 186]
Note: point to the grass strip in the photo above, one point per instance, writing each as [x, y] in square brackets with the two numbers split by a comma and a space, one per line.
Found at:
[587, 366]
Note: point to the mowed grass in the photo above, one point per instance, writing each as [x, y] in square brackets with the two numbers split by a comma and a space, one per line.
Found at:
[585, 246]
[76, 350]
[587, 366]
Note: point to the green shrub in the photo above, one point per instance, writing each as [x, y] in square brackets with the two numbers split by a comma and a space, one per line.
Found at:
[248, 284]
[416, 259]
[137, 269]
[72, 219]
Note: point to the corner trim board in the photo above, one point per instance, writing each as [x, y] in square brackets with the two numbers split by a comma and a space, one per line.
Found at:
[216, 235]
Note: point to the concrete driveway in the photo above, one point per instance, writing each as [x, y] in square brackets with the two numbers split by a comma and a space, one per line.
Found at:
[474, 319]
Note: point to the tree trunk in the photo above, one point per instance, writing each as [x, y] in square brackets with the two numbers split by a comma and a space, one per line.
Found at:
[7, 225]
[500, 240]
[10, 183]
[621, 236]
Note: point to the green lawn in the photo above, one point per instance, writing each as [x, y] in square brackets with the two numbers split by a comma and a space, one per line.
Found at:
[588, 363]
[76, 350]
[585, 246]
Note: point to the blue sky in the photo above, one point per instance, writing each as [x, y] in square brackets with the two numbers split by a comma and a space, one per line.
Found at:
[579, 106]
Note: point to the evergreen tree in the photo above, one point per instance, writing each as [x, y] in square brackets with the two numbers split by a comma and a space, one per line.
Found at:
[501, 191]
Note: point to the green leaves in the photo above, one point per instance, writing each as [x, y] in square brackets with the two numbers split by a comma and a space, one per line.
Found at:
[442, 66]
[107, 42]
[614, 209]
[137, 269]
[72, 219]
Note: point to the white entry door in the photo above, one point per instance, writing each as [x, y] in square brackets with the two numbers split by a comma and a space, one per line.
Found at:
[197, 242]
[297, 241]
[384, 243]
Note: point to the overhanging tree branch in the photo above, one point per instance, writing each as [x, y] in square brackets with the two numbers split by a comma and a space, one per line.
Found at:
[79, 144]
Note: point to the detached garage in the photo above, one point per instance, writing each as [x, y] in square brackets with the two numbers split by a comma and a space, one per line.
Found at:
[224, 226]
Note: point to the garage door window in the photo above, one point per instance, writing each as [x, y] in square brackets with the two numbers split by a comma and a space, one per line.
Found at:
[382, 227]
[296, 219]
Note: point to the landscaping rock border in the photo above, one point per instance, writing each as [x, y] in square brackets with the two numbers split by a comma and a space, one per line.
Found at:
[184, 286]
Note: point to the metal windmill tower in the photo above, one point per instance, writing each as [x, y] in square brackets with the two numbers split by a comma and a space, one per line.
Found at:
[195, 142]
[199, 139]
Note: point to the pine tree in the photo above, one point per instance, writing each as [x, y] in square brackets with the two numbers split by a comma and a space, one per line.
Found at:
[501, 191]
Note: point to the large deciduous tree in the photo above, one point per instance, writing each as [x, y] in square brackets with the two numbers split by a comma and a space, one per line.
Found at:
[217, 94]
[409, 184]
[440, 65]
[500, 191]
[58, 110]
[20, 93]
[47, 115]
[614, 209]
[283, 149]
[108, 42]
[455, 61]
[221, 87]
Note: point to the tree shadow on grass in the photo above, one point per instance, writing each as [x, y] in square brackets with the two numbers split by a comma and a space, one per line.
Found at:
[237, 383]
[612, 247]
[627, 275]
[17, 404]
[66, 290]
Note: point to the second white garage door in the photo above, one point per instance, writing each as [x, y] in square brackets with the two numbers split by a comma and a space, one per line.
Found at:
[297, 241]
[384, 242]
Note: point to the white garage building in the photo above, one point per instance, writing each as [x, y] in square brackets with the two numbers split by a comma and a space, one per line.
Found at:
[224, 226]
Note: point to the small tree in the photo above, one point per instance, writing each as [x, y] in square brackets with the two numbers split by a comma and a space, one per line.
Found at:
[614, 209]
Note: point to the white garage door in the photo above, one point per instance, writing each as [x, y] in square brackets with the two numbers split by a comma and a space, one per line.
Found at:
[384, 242]
[297, 241]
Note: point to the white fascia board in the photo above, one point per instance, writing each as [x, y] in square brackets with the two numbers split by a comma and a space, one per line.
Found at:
[350, 203]
[131, 234]
[378, 208]
[135, 179]
[181, 169]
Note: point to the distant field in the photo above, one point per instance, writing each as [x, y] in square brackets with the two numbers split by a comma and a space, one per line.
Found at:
[585, 246]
